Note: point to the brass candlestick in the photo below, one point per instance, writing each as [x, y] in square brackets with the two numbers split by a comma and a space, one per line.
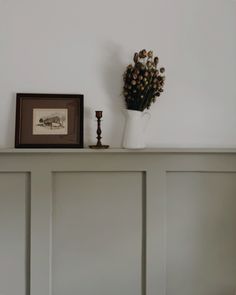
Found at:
[99, 144]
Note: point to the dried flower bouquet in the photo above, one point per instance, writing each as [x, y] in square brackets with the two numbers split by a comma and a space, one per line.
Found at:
[143, 81]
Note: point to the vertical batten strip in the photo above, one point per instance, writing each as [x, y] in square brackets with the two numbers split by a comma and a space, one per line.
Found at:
[41, 206]
[144, 236]
[27, 233]
[156, 232]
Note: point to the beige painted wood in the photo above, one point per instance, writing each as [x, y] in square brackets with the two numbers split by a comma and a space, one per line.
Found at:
[155, 231]
[41, 214]
[201, 233]
[14, 221]
[56, 176]
[97, 233]
[121, 151]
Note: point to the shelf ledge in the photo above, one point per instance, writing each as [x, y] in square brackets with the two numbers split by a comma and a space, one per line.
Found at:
[119, 150]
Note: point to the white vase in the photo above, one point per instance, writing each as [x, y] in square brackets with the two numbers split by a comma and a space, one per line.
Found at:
[135, 126]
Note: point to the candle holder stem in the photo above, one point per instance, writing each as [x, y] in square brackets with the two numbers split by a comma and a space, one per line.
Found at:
[99, 144]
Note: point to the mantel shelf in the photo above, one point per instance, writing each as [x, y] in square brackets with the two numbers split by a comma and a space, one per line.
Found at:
[119, 150]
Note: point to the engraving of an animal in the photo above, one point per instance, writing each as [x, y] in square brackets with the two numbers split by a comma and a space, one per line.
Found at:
[51, 122]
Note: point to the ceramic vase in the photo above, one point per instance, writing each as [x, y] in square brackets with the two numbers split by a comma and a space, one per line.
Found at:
[135, 127]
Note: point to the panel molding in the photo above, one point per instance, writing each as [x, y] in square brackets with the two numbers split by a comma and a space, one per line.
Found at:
[153, 164]
[15, 232]
[202, 214]
[119, 181]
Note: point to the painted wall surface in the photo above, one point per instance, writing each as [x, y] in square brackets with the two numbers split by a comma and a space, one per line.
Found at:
[78, 46]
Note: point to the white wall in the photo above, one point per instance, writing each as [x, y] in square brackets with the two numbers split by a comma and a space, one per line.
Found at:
[82, 46]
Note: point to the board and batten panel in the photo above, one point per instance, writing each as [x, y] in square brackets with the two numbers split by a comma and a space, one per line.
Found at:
[14, 230]
[201, 233]
[97, 233]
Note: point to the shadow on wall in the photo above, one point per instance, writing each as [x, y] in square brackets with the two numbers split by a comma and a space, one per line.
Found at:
[11, 121]
[88, 132]
[112, 69]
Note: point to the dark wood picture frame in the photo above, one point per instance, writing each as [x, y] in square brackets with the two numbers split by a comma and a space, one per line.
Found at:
[71, 104]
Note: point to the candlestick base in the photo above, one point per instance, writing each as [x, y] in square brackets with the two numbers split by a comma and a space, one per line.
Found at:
[99, 147]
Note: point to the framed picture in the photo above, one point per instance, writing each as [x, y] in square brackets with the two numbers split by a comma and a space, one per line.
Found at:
[49, 120]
